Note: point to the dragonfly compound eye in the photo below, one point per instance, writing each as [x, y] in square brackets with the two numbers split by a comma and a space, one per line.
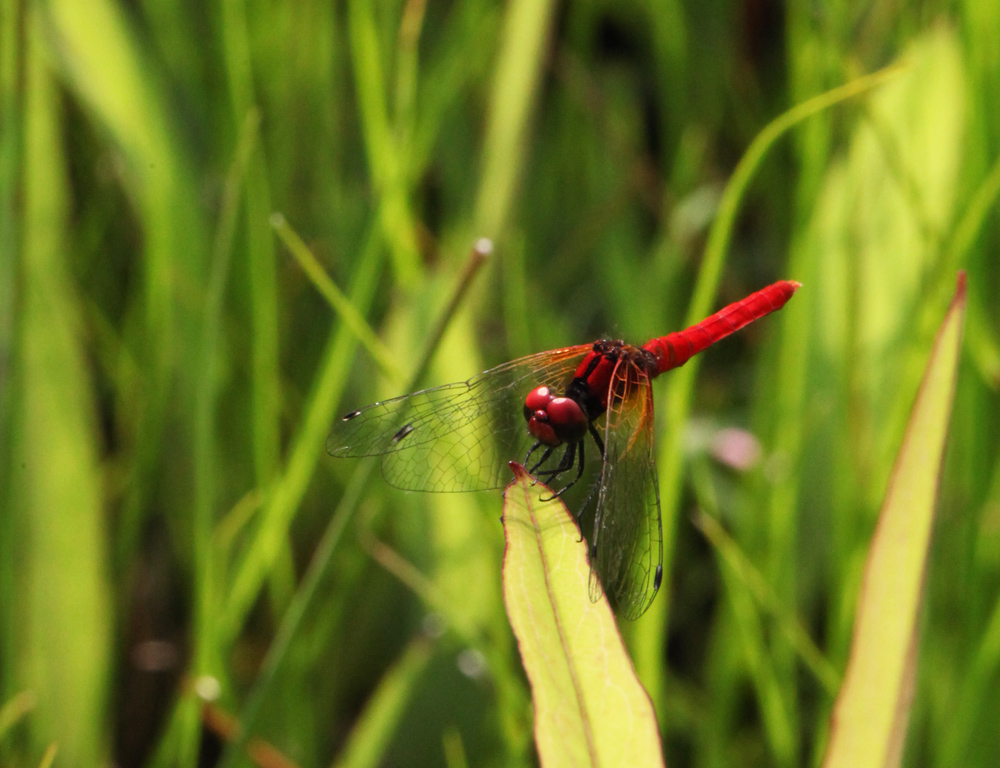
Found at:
[568, 419]
[537, 400]
[541, 428]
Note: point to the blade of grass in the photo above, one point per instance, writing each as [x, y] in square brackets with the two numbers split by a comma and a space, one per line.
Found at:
[468, 35]
[12, 55]
[757, 656]
[789, 425]
[869, 722]
[207, 589]
[291, 621]
[477, 258]
[373, 731]
[65, 639]
[454, 750]
[290, 487]
[254, 569]
[14, 710]
[981, 340]
[108, 72]
[518, 70]
[307, 447]
[649, 632]
[328, 289]
[753, 582]
[265, 389]
[431, 595]
[11, 149]
[910, 155]
[411, 25]
[384, 151]
[470, 631]
[978, 685]
[49, 757]
[590, 708]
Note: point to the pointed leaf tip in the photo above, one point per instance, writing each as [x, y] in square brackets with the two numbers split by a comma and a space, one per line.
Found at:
[961, 285]
[520, 473]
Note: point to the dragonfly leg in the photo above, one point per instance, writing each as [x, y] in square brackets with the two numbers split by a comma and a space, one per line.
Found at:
[564, 465]
[597, 438]
[592, 553]
[531, 450]
[579, 474]
[597, 529]
[593, 488]
[586, 502]
[545, 457]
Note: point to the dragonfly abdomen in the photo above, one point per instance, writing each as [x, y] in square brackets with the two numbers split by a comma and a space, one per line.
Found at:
[675, 349]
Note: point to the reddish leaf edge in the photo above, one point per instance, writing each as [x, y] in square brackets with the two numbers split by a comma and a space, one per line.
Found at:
[901, 717]
[522, 474]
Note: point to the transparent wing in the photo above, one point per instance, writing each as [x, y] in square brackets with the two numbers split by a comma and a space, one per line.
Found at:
[627, 540]
[458, 437]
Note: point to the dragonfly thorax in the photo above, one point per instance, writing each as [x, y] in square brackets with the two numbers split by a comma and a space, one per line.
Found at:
[554, 420]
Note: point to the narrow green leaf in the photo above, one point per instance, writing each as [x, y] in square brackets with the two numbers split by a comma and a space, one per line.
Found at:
[754, 585]
[338, 301]
[677, 405]
[385, 154]
[12, 712]
[373, 733]
[303, 454]
[63, 606]
[49, 757]
[266, 387]
[590, 709]
[870, 716]
[520, 62]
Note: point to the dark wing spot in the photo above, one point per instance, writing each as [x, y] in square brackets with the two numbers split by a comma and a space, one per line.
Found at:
[351, 415]
[403, 432]
[657, 578]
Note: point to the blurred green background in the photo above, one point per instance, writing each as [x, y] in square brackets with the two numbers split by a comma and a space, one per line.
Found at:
[170, 525]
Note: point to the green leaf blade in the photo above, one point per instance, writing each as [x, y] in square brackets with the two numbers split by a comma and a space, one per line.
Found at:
[590, 709]
[869, 722]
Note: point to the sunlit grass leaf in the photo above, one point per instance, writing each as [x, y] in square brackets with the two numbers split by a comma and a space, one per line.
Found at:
[16, 709]
[61, 602]
[878, 232]
[870, 716]
[589, 706]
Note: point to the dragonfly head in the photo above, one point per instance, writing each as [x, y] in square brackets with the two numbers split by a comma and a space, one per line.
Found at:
[554, 420]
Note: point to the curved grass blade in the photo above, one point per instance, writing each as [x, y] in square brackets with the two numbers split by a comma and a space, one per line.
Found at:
[677, 404]
[869, 721]
[590, 709]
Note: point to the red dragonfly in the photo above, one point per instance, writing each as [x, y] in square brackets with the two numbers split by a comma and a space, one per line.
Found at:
[461, 437]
